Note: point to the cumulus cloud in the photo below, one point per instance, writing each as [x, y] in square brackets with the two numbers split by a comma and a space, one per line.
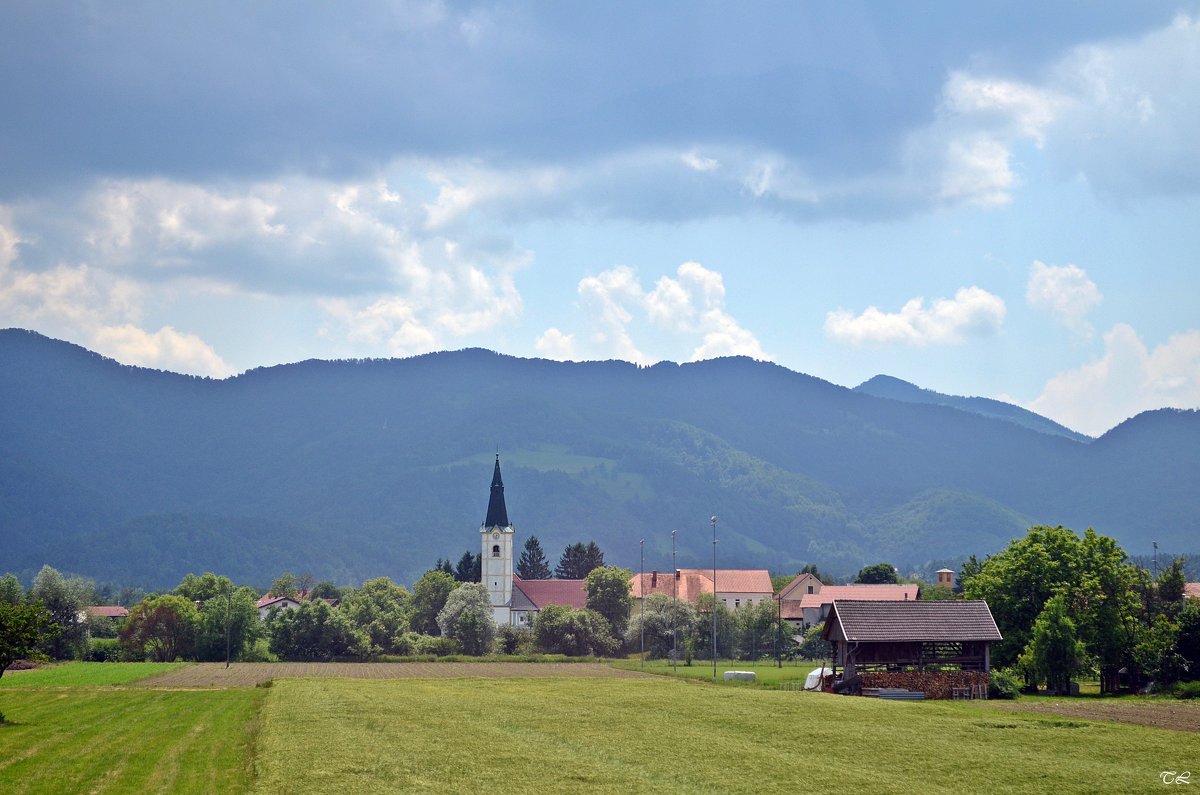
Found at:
[973, 312]
[96, 308]
[553, 344]
[165, 349]
[372, 255]
[1127, 379]
[1065, 291]
[690, 306]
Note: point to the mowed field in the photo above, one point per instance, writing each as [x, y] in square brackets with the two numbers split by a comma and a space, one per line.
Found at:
[485, 726]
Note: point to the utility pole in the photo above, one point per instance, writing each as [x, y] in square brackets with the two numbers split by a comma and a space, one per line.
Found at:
[642, 606]
[674, 607]
[714, 607]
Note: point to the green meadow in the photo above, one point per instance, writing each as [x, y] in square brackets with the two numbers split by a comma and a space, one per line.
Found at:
[93, 674]
[642, 734]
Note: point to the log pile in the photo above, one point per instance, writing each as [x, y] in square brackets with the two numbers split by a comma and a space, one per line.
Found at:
[934, 684]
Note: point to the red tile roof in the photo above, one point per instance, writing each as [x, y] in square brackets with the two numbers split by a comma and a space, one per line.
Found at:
[269, 599]
[571, 593]
[108, 611]
[889, 622]
[1191, 589]
[889, 593]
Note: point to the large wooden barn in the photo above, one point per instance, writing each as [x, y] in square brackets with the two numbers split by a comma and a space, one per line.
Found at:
[940, 648]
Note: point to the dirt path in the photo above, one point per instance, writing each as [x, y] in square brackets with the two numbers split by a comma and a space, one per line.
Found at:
[251, 674]
[1160, 713]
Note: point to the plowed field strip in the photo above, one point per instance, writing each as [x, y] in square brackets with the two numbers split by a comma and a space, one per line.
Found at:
[251, 674]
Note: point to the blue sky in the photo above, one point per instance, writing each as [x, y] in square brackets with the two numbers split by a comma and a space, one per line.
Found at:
[985, 198]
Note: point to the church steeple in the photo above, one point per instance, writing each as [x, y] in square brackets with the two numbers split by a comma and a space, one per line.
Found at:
[497, 514]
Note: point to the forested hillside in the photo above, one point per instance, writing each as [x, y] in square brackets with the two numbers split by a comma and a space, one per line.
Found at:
[353, 469]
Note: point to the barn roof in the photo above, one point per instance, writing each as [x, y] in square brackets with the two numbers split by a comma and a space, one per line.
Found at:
[889, 622]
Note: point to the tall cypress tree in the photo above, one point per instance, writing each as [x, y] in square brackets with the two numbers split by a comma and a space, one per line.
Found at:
[533, 564]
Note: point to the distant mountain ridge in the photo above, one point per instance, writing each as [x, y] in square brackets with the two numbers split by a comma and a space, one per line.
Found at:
[356, 469]
[886, 386]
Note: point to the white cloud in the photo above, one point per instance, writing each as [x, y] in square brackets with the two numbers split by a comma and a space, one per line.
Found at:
[1065, 291]
[553, 344]
[1128, 379]
[165, 349]
[690, 306]
[97, 309]
[972, 312]
[1130, 127]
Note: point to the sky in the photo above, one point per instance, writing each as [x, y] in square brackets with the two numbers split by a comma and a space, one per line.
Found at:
[981, 198]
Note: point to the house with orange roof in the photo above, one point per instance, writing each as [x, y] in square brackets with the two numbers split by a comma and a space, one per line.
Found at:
[1191, 590]
[809, 603]
[734, 587]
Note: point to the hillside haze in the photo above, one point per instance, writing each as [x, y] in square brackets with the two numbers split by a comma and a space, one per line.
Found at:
[355, 469]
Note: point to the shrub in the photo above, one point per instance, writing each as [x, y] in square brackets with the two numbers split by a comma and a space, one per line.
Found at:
[1005, 683]
[1187, 690]
[104, 650]
[259, 652]
[414, 644]
[514, 640]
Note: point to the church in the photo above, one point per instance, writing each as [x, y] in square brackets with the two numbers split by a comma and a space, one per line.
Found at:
[515, 601]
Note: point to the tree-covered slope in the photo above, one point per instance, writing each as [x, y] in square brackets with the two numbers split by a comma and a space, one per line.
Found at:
[354, 469]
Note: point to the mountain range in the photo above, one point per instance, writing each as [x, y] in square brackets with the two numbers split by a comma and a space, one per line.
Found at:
[361, 468]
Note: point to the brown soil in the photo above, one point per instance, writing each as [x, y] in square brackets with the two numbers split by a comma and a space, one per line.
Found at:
[1157, 712]
[251, 674]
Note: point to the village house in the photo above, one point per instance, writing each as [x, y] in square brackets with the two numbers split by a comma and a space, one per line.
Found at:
[806, 601]
[734, 587]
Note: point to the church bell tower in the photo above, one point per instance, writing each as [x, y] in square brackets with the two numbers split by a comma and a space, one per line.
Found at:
[496, 551]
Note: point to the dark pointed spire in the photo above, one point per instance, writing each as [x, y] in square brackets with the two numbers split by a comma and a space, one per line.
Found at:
[497, 515]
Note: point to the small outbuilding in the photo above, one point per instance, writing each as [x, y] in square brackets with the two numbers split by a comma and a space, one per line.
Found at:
[941, 648]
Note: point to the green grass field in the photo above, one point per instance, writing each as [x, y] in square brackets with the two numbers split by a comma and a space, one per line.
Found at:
[83, 731]
[766, 674]
[667, 735]
[81, 674]
[119, 740]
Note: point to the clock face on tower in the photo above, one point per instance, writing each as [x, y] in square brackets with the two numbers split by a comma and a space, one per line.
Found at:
[495, 535]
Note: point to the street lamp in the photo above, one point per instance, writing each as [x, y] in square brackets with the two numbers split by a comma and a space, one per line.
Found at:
[713, 521]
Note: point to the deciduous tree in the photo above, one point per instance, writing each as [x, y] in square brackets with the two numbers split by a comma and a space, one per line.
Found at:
[668, 624]
[22, 629]
[64, 599]
[608, 594]
[1055, 653]
[315, 631]
[468, 618]
[162, 628]
[429, 597]
[559, 629]
[380, 609]
[877, 574]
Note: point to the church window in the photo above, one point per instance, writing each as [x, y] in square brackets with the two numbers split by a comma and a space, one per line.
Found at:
[495, 550]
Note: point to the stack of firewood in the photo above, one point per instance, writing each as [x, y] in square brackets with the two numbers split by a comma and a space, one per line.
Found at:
[934, 684]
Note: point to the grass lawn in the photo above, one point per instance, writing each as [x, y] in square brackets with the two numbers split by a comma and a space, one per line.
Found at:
[84, 674]
[765, 673]
[118, 740]
[666, 735]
